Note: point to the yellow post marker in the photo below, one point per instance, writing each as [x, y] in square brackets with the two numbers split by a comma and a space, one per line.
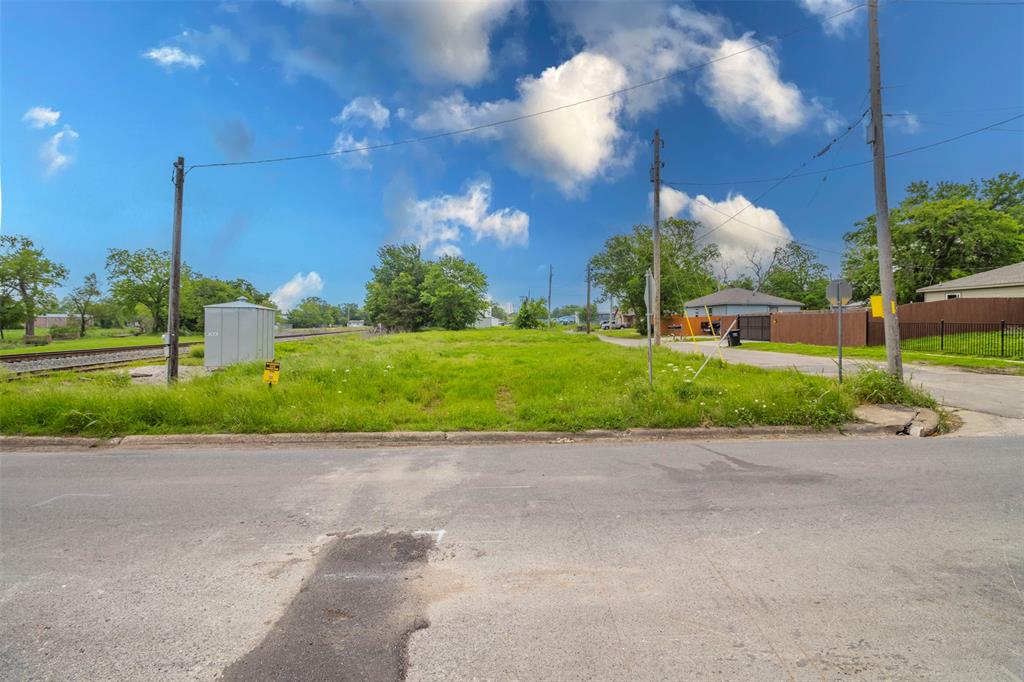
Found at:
[877, 309]
[711, 326]
[271, 373]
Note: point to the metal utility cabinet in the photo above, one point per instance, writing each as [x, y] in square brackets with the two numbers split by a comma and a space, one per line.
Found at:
[238, 331]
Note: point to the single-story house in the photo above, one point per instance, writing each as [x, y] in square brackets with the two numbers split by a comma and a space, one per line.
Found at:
[356, 323]
[1004, 282]
[58, 320]
[737, 301]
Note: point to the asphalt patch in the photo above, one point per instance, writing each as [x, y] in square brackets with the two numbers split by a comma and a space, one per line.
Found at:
[352, 618]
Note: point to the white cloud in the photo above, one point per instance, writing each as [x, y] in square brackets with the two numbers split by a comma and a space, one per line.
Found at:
[446, 41]
[297, 288]
[170, 56]
[904, 122]
[746, 89]
[367, 109]
[41, 117]
[214, 39]
[353, 159]
[439, 222]
[570, 147]
[827, 8]
[753, 228]
[53, 155]
[322, 7]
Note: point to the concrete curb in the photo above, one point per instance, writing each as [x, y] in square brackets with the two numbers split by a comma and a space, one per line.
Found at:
[434, 438]
[925, 423]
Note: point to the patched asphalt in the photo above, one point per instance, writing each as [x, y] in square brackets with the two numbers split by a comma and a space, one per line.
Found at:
[352, 618]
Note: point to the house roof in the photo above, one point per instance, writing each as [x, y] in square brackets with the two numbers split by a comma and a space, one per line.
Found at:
[736, 296]
[1007, 275]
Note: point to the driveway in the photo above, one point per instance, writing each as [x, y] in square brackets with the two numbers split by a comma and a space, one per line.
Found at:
[996, 394]
[878, 558]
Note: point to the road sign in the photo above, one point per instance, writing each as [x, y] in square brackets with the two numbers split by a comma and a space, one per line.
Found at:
[839, 292]
[271, 372]
[877, 309]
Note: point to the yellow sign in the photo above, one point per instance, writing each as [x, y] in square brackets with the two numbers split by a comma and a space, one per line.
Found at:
[876, 307]
[271, 372]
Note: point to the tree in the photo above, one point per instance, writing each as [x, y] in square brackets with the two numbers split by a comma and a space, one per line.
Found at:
[312, 311]
[393, 295]
[28, 273]
[198, 291]
[498, 312]
[532, 314]
[351, 311]
[798, 275]
[141, 277]
[620, 268]
[11, 311]
[107, 314]
[571, 309]
[454, 292]
[939, 233]
[81, 300]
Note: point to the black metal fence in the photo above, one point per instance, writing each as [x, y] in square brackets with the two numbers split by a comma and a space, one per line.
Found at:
[993, 339]
[755, 327]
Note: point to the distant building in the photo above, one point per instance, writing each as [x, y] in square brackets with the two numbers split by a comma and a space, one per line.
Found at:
[486, 320]
[57, 320]
[1004, 282]
[356, 323]
[737, 301]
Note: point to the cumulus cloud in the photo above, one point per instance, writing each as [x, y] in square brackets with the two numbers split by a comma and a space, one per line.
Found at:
[360, 158]
[569, 147]
[755, 228]
[827, 8]
[53, 153]
[297, 288]
[366, 109]
[41, 117]
[904, 122]
[439, 223]
[170, 56]
[446, 41]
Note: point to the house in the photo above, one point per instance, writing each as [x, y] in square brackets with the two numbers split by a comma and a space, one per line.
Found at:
[1004, 282]
[56, 320]
[356, 323]
[737, 301]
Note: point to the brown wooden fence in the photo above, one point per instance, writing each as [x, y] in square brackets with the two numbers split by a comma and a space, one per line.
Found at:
[820, 328]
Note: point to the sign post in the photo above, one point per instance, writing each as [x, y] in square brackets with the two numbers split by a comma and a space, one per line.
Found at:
[271, 373]
[648, 297]
[839, 293]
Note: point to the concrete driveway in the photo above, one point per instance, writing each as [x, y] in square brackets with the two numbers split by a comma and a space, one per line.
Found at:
[996, 394]
[770, 560]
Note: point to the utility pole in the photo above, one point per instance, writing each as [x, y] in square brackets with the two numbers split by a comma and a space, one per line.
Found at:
[588, 298]
[551, 273]
[655, 311]
[885, 274]
[173, 296]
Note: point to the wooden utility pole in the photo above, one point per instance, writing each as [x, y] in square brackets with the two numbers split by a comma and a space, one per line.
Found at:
[885, 273]
[655, 311]
[173, 296]
[551, 273]
[588, 298]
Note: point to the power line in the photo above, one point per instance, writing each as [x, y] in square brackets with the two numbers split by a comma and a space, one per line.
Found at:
[673, 183]
[523, 117]
[760, 229]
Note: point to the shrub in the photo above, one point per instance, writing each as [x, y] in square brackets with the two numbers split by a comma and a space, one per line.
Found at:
[35, 339]
[64, 333]
[873, 385]
[196, 352]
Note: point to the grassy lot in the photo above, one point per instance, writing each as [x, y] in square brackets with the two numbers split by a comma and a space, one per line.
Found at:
[94, 338]
[500, 379]
[878, 353]
[972, 344]
[634, 334]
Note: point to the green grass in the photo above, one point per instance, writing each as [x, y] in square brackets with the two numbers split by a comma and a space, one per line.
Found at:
[634, 334]
[501, 379]
[94, 338]
[878, 353]
[1012, 345]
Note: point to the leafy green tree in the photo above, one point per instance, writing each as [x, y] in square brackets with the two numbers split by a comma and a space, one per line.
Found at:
[454, 292]
[11, 311]
[498, 312]
[939, 233]
[107, 314]
[393, 295]
[620, 268]
[198, 291]
[565, 310]
[351, 311]
[26, 271]
[142, 277]
[797, 274]
[532, 314]
[313, 311]
[82, 299]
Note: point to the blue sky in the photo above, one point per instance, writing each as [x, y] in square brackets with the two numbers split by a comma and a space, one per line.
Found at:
[99, 98]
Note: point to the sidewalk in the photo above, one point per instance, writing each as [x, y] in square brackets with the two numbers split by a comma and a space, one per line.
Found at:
[996, 394]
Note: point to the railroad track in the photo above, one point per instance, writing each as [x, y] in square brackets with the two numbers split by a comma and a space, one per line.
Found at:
[111, 356]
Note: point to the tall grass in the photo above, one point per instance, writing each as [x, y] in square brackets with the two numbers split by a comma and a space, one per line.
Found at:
[499, 379]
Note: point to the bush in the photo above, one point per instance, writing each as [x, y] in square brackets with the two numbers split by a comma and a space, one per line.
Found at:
[531, 315]
[873, 385]
[64, 333]
[196, 352]
[35, 339]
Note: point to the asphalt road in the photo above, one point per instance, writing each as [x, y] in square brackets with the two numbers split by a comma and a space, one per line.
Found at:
[771, 560]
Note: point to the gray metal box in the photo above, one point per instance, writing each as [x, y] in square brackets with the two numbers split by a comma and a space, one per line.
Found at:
[238, 331]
